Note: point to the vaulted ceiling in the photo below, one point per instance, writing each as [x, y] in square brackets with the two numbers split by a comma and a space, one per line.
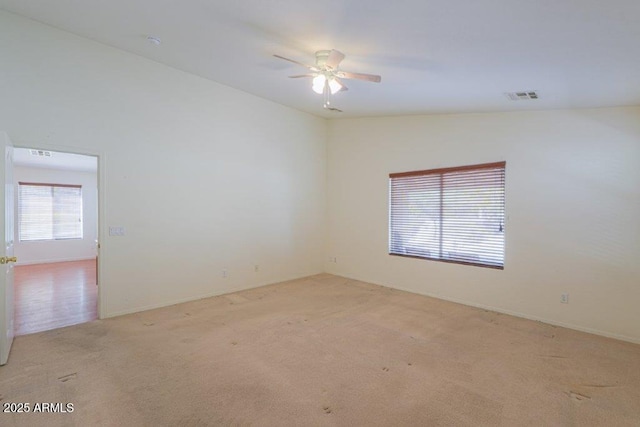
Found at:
[435, 56]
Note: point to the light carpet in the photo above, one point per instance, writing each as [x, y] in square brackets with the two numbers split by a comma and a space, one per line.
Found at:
[322, 350]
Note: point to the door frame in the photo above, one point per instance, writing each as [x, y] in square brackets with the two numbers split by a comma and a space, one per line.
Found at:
[7, 305]
[101, 180]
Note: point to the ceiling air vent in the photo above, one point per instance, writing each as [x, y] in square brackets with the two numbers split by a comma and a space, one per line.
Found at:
[40, 153]
[522, 96]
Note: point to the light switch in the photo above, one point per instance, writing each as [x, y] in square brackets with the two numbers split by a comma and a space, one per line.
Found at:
[116, 231]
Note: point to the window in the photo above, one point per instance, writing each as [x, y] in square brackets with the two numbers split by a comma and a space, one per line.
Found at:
[49, 212]
[453, 214]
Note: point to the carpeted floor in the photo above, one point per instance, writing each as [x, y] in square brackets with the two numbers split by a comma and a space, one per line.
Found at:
[322, 351]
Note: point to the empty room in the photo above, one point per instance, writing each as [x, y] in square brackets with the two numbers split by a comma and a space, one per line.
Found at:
[420, 213]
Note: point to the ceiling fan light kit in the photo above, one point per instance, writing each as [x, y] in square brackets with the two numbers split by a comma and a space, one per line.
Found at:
[320, 81]
[326, 75]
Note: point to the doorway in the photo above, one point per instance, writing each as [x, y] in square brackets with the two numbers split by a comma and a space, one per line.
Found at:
[56, 239]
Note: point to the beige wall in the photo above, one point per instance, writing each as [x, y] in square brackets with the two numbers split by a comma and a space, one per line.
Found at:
[573, 208]
[35, 252]
[203, 177]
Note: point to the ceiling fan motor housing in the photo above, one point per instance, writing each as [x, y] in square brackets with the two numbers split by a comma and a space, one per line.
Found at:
[321, 58]
[327, 77]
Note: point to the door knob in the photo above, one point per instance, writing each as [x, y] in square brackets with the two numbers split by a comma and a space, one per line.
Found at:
[7, 260]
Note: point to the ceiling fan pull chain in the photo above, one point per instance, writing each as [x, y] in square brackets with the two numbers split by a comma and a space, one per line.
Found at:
[326, 92]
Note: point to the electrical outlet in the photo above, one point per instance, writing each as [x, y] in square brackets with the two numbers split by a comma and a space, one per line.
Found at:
[564, 298]
[224, 273]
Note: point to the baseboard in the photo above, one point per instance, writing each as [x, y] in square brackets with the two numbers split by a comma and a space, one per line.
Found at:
[51, 261]
[454, 300]
[543, 320]
[509, 312]
[189, 299]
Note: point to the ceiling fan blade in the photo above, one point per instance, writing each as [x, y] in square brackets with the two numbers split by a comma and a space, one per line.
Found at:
[359, 76]
[344, 87]
[302, 75]
[335, 57]
[311, 67]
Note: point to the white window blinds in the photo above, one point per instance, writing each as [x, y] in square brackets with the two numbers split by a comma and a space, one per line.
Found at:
[452, 214]
[49, 211]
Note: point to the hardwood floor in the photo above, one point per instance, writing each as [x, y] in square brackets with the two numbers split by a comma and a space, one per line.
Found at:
[50, 296]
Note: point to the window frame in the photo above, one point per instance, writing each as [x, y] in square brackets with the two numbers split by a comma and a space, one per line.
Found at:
[441, 172]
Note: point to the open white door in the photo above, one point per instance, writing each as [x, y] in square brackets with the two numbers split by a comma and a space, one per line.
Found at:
[6, 248]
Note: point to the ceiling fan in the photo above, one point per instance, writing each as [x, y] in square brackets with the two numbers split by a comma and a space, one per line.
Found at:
[327, 77]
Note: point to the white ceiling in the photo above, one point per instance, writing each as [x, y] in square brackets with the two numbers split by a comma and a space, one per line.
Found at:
[57, 160]
[435, 56]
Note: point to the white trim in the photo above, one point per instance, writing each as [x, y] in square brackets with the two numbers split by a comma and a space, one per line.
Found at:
[509, 312]
[207, 295]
